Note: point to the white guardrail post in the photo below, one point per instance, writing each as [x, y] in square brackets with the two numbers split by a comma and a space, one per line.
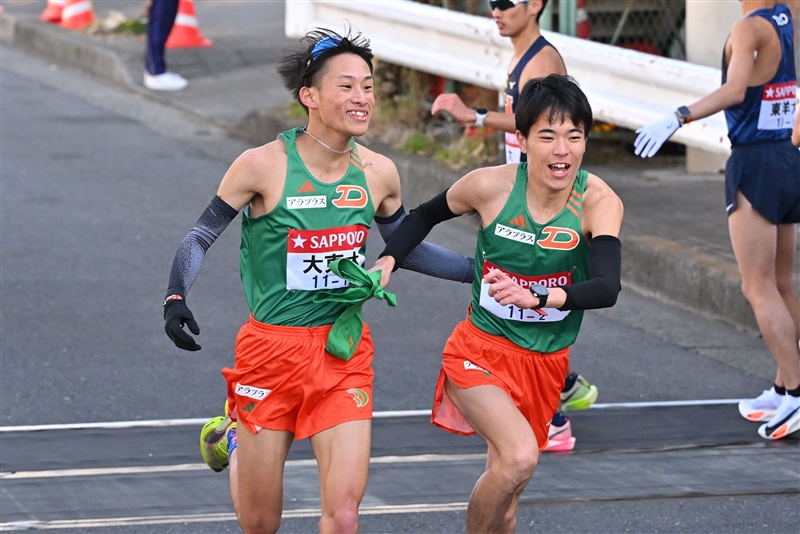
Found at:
[624, 87]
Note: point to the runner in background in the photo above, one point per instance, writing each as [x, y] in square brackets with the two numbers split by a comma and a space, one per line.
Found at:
[762, 190]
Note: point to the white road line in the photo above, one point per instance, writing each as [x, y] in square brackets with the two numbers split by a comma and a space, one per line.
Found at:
[209, 518]
[376, 415]
[100, 471]
[115, 425]
[146, 469]
[705, 402]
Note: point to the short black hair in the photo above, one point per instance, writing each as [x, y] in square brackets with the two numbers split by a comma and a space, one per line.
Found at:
[557, 95]
[304, 68]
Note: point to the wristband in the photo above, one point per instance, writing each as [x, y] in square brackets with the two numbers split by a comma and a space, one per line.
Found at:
[171, 298]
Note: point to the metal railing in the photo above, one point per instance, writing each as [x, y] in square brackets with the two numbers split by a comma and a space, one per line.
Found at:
[624, 87]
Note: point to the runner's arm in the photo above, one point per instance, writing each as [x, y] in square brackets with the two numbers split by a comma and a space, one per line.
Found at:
[414, 228]
[453, 104]
[602, 220]
[603, 286]
[235, 191]
[427, 258]
[185, 267]
[189, 257]
[237, 188]
[744, 41]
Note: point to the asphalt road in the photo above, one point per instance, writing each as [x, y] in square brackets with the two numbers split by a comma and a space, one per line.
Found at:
[99, 187]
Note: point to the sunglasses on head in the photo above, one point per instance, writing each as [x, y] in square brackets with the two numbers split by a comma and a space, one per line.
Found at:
[502, 5]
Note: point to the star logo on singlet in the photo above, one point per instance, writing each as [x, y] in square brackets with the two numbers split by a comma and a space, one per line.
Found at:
[770, 92]
[298, 241]
[511, 85]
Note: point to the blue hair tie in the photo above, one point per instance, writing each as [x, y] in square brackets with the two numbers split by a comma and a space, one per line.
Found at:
[324, 44]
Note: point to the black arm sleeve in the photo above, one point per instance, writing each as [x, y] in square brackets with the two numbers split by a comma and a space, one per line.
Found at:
[416, 226]
[192, 249]
[428, 258]
[603, 286]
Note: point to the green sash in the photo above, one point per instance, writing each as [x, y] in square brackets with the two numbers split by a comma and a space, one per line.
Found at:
[345, 333]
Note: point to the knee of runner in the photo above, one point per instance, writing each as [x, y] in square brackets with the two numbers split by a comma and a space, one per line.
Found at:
[748, 290]
[509, 521]
[344, 519]
[256, 522]
[785, 285]
[518, 465]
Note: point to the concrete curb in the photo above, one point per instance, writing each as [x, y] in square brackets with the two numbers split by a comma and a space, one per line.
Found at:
[64, 46]
[262, 125]
[668, 270]
[683, 276]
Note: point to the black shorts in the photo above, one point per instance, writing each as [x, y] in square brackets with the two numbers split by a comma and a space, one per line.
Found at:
[768, 175]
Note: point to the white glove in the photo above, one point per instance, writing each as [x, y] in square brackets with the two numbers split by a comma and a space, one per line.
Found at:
[651, 137]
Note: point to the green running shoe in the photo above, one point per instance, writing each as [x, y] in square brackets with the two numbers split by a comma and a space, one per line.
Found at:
[214, 442]
[579, 397]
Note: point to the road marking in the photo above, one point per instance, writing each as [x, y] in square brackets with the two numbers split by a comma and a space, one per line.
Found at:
[218, 517]
[146, 469]
[655, 404]
[376, 415]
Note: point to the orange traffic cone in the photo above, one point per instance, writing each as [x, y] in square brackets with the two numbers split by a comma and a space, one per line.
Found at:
[77, 14]
[185, 33]
[584, 29]
[52, 13]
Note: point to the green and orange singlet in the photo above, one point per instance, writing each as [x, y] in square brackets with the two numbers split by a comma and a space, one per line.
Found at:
[552, 254]
[284, 254]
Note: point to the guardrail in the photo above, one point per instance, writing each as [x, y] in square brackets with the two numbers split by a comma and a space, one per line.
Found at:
[624, 87]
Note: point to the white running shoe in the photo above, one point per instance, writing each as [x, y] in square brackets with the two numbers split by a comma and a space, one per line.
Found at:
[169, 81]
[762, 408]
[786, 420]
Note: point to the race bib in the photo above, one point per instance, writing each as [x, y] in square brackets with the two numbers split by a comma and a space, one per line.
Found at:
[513, 313]
[310, 251]
[778, 106]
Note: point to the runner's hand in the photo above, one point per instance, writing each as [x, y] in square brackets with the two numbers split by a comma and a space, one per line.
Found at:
[177, 314]
[651, 137]
[505, 291]
[385, 265]
[452, 104]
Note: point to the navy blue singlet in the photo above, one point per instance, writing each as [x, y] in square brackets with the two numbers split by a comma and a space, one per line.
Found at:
[513, 153]
[768, 111]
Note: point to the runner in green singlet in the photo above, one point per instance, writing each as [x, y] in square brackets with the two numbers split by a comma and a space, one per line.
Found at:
[534, 57]
[547, 249]
[308, 198]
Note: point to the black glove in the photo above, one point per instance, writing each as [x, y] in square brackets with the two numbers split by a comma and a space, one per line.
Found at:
[177, 314]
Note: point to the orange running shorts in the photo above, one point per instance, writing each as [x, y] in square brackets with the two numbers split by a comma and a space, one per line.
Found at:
[283, 379]
[533, 380]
